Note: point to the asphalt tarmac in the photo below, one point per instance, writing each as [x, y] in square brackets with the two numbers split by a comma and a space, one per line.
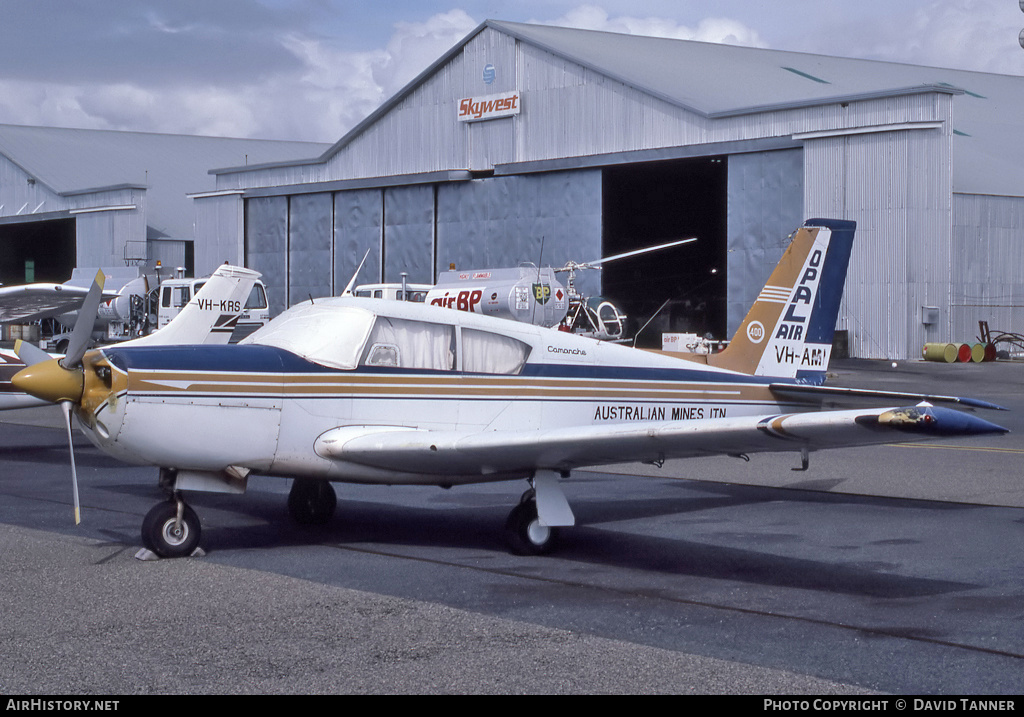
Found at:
[893, 570]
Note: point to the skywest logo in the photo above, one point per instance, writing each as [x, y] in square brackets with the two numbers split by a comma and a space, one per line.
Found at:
[473, 109]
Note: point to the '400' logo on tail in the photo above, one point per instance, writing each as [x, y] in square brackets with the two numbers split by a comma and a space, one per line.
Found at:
[755, 331]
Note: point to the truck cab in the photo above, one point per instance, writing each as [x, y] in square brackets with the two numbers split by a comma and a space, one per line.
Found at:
[396, 292]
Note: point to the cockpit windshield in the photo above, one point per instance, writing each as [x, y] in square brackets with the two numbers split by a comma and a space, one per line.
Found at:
[330, 336]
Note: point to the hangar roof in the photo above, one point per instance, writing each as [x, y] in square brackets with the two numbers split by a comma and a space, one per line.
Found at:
[718, 80]
[168, 167]
[728, 80]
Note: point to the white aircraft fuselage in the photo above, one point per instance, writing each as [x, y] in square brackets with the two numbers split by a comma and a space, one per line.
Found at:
[376, 391]
[272, 411]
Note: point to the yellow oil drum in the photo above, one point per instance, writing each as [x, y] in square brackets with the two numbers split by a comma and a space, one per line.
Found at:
[978, 353]
[940, 352]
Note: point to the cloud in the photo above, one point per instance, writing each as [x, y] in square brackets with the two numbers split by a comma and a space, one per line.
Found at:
[272, 69]
[205, 68]
[414, 46]
[347, 86]
[978, 35]
[712, 29]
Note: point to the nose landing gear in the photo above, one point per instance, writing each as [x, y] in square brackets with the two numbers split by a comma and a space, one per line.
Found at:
[171, 529]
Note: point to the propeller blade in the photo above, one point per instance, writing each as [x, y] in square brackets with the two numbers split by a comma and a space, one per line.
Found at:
[80, 334]
[30, 354]
[65, 407]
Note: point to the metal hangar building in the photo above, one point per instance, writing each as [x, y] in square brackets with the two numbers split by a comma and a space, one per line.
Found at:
[101, 198]
[541, 144]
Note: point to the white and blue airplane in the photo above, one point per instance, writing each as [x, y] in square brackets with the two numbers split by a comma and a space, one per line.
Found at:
[359, 390]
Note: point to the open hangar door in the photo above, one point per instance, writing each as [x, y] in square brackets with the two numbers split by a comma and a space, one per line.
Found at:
[655, 203]
[42, 251]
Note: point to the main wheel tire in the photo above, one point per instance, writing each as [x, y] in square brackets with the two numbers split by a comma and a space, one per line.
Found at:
[163, 535]
[526, 535]
[311, 502]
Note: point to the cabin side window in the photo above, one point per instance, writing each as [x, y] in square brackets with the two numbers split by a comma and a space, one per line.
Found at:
[484, 352]
[410, 344]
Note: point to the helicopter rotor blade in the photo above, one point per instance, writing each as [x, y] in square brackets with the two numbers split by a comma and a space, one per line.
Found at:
[645, 250]
[572, 266]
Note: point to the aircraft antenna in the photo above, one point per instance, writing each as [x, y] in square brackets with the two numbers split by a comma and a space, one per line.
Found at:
[637, 334]
[352, 281]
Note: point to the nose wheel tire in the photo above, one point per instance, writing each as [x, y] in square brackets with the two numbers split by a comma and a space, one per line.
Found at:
[526, 535]
[311, 502]
[167, 536]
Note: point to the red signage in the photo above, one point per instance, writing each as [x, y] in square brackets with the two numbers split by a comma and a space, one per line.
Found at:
[475, 109]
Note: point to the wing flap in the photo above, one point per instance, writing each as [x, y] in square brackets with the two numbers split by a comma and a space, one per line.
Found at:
[499, 452]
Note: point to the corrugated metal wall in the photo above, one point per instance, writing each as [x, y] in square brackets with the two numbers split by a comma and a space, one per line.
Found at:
[897, 187]
[419, 230]
[987, 264]
[310, 246]
[545, 219]
[219, 221]
[358, 233]
[409, 233]
[266, 246]
[765, 205]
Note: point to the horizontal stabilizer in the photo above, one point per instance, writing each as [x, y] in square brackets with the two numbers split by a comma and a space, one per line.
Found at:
[801, 391]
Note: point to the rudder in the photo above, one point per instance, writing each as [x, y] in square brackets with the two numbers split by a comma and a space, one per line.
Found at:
[788, 331]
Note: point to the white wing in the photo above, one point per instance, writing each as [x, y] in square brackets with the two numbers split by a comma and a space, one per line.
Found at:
[32, 302]
[499, 452]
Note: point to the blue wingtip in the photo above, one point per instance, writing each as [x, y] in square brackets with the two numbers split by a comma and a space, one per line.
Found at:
[949, 422]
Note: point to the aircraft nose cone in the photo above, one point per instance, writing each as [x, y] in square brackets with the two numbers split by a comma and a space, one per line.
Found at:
[50, 381]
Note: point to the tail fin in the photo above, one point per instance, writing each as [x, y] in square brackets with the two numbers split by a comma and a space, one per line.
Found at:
[212, 313]
[788, 331]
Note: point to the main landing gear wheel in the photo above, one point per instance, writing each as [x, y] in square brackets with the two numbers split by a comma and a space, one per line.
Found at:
[311, 502]
[166, 535]
[526, 535]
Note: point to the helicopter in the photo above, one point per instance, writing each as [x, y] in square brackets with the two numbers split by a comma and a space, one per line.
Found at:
[596, 316]
[535, 295]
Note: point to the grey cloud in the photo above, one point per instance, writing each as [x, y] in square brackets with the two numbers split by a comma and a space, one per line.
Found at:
[78, 41]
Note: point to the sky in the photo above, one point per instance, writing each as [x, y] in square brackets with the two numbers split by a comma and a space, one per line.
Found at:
[311, 69]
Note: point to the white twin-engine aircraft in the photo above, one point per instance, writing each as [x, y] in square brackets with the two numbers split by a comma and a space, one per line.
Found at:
[374, 391]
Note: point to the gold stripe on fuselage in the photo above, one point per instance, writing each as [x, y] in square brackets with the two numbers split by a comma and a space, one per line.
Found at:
[464, 386]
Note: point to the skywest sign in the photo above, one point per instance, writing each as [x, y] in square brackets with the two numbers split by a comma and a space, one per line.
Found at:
[475, 109]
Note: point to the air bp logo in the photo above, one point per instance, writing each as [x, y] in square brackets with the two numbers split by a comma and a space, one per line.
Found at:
[542, 293]
[755, 331]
